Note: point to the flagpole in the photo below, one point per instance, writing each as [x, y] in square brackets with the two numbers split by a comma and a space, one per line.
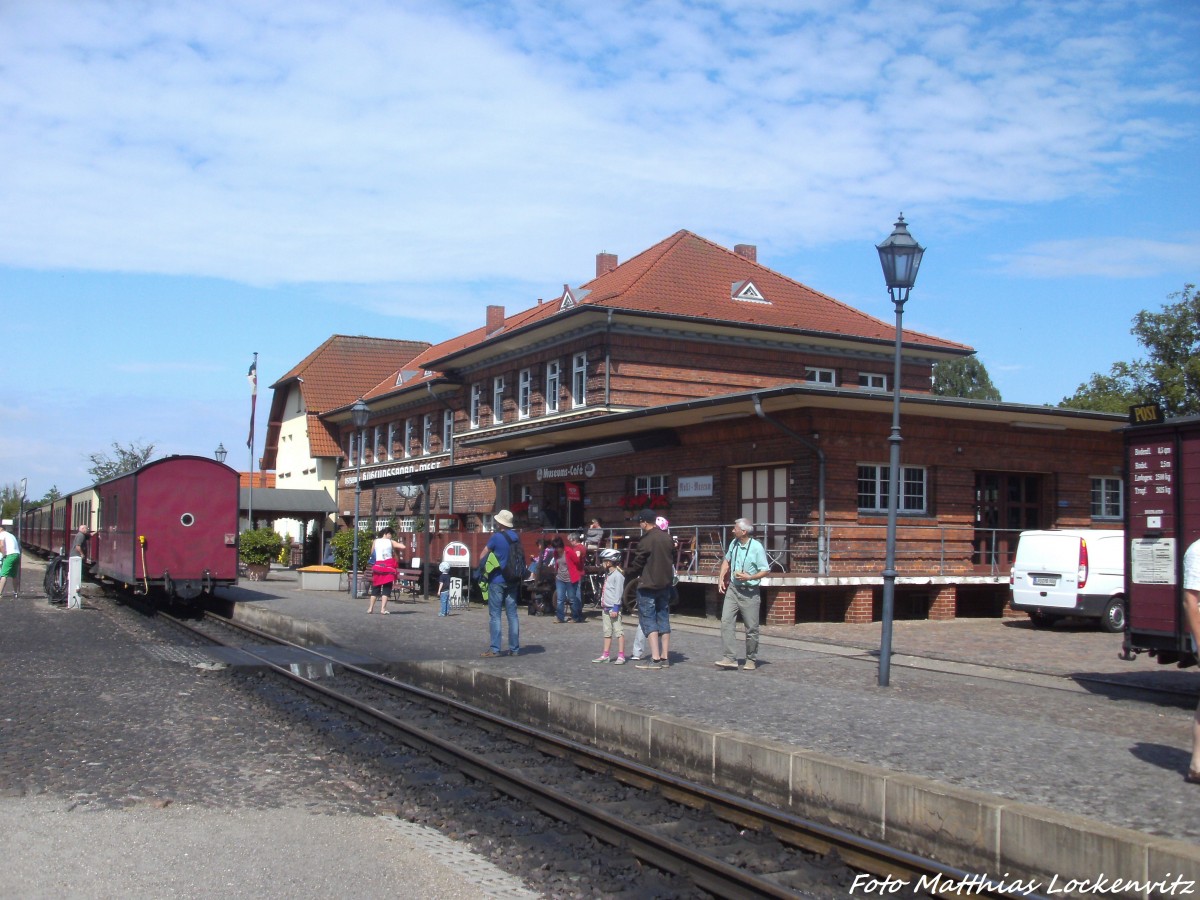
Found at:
[253, 376]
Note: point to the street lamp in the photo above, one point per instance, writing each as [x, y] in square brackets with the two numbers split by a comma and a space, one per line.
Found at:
[220, 453]
[359, 413]
[900, 255]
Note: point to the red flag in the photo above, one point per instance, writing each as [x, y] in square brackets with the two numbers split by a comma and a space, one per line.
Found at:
[252, 376]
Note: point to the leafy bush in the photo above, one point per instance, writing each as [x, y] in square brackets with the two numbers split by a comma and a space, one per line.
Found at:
[259, 547]
[343, 549]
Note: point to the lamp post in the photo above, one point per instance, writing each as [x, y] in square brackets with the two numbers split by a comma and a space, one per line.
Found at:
[900, 255]
[220, 453]
[359, 413]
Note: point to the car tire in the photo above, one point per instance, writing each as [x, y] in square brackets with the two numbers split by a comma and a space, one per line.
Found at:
[1113, 619]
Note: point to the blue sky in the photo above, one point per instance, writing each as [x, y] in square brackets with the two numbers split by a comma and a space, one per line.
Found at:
[187, 184]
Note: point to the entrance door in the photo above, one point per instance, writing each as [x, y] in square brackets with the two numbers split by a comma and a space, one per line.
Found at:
[1006, 503]
[762, 498]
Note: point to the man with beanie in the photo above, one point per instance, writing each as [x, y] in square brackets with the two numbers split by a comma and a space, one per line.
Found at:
[654, 562]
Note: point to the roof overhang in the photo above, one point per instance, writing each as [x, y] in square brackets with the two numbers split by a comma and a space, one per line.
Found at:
[629, 423]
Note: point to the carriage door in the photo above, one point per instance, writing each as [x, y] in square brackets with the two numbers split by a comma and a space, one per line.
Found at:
[1006, 503]
[762, 498]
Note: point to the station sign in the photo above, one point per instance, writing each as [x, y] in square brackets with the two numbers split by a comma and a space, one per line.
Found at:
[394, 471]
[694, 486]
[566, 473]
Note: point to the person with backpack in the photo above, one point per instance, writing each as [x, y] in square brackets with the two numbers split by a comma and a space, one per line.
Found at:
[503, 583]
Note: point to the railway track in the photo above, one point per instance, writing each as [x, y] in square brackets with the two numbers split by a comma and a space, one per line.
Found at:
[707, 841]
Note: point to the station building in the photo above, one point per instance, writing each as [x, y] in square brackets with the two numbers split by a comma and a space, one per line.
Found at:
[698, 381]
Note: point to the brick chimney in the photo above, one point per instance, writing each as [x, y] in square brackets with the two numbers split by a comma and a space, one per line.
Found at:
[747, 250]
[605, 263]
[495, 319]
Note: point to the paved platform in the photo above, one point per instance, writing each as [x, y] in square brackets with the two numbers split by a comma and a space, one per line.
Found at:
[989, 706]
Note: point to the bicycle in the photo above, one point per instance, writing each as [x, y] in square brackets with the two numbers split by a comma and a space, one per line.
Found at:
[55, 580]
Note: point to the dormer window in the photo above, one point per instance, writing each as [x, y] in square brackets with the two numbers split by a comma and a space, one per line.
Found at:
[747, 292]
[571, 296]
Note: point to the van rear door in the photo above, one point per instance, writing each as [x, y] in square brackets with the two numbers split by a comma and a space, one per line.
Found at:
[1046, 571]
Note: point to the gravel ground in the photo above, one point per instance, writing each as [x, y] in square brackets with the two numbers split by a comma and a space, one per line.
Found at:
[123, 773]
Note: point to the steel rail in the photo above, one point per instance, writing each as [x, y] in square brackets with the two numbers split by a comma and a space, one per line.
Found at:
[715, 876]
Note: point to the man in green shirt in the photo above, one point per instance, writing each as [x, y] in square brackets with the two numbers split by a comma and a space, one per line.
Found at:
[744, 566]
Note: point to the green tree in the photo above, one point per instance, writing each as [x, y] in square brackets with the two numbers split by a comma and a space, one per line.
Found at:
[10, 500]
[964, 376]
[122, 460]
[50, 496]
[1170, 373]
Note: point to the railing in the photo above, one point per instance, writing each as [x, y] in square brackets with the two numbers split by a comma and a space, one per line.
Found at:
[852, 549]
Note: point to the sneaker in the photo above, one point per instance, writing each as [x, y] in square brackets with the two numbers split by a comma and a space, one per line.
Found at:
[665, 662]
[488, 654]
[516, 652]
[602, 658]
[726, 664]
[651, 663]
[619, 661]
[750, 665]
[384, 612]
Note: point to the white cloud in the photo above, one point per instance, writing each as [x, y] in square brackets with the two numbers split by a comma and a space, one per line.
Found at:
[368, 142]
[1106, 257]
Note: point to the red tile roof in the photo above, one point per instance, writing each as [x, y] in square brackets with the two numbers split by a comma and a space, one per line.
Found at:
[335, 374]
[344, 368]
[687, 276]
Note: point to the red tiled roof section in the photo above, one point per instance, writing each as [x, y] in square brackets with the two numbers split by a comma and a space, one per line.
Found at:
[261, 479]
[344, 368]
[322, 438]
[687, 275]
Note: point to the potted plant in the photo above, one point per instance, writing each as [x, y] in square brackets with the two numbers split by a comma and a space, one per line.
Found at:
[257, 549]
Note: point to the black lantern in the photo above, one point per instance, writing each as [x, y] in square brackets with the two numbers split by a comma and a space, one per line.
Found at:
[220, 453]
[900, 255]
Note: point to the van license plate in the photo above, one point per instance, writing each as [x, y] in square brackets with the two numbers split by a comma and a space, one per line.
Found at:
[1046, 580]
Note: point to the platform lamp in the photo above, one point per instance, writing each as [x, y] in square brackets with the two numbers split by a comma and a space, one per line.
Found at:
[359, 414]
[220, 453]
[900, 255]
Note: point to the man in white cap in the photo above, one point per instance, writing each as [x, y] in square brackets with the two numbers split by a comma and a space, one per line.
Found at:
[501, 594]
[10, 557]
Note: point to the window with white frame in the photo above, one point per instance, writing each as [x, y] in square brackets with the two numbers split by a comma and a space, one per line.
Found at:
[524, 393]
[380, 447]
[1108, 498]
[427, 434]
[873, 489]
[391, 440]
[820, 376]
[476, 403]
[353, 448]
[447, 429]
[651, 484]
[579, 380]
[552, 376]
[872, 381]
[362, 447]
[409, 427]
[498, 400]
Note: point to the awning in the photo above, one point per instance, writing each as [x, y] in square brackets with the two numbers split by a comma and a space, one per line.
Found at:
[283, 503]
[528, 462]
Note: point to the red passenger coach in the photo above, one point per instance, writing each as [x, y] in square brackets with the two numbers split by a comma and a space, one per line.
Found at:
[170, 525]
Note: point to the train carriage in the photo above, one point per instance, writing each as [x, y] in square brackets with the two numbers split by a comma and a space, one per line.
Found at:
[169, 525]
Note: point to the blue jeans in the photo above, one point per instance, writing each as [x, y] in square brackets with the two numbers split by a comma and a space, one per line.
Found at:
[501, 595]
[568, 590]
[445, 598]
[654, 608]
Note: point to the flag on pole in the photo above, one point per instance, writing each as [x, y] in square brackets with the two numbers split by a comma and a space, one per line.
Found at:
[252, 376]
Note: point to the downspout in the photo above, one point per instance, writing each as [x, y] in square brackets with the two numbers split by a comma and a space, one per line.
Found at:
[822, 538]
[608, 360]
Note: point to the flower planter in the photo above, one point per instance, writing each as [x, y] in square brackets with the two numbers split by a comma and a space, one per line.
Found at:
[257, 572]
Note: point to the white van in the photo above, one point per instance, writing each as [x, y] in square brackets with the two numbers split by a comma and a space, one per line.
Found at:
[1071, 573]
